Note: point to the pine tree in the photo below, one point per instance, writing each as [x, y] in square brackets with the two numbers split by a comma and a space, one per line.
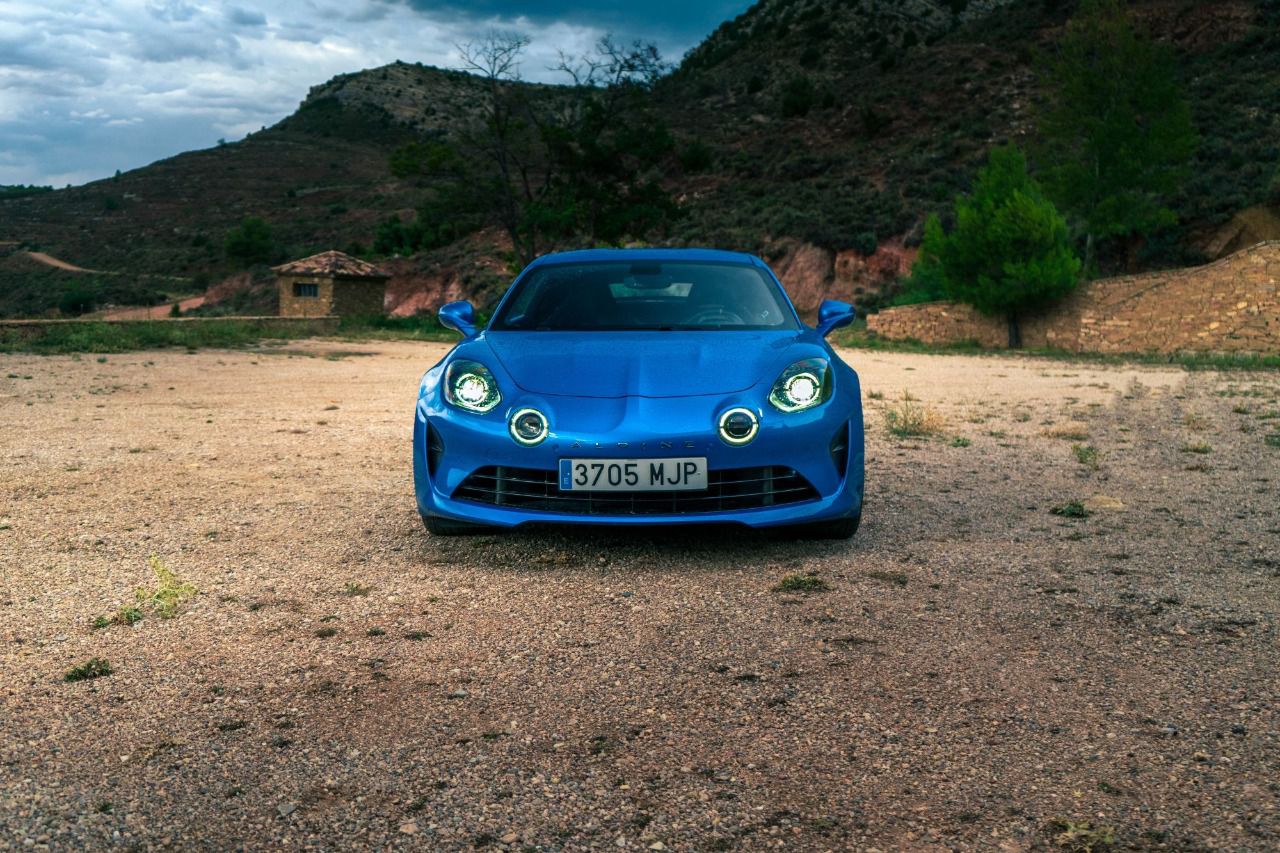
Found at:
[1009, 252]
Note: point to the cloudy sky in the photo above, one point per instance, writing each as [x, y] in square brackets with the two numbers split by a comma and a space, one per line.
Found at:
[91, 86]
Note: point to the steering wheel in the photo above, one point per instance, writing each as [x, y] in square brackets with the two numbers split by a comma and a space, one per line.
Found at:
[716, 316]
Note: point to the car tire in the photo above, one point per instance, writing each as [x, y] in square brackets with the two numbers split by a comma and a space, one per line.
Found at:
[438, 526]
[841, 528]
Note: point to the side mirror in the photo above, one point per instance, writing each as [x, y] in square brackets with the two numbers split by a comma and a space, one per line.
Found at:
[834, 315]
[459, 316]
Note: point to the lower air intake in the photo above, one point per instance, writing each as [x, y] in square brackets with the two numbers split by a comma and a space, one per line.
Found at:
[732, 489]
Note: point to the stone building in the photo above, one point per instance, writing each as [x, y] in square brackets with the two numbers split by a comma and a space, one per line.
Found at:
[330, 283]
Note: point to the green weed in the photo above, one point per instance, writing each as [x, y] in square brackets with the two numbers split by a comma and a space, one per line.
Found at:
[802, 583]
[170, 592]
[1086, 455]
[92, 668]
[1071, 509]
[1083, 836]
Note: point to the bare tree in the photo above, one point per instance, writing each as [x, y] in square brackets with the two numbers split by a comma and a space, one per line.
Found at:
[569, 162]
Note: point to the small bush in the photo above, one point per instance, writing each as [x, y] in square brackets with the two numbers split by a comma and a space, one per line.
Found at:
[1198, 447]
[1086, 455]
[798, 97]
[127, 616]
[1273, 440]
[909, 419]
[696, 157]
[802, 583]
[960, 441]
[1083, 836]
[1071, 509]
[169, 594]
[92, 668]
[866, 243]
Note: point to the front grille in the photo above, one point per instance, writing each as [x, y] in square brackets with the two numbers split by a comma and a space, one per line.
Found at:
[732, 489]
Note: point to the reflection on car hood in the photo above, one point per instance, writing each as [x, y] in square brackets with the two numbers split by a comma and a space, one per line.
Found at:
[638, 364]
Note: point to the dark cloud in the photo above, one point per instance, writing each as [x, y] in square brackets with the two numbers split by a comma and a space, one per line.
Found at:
[88, 88]
[246, 17]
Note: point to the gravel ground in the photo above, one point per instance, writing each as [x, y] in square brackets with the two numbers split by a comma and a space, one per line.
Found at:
[979, 671]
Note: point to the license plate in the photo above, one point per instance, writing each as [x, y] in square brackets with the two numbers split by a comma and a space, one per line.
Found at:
[633, 475]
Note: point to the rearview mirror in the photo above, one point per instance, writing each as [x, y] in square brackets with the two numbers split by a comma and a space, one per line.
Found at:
[459, 316]
[834, 315]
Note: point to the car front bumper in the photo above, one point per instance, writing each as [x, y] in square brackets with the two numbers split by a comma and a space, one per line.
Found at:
[641, 428]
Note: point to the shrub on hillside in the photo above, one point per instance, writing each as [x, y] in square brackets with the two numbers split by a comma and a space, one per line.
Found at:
[798, 97]
[696, 157]
[250, 242]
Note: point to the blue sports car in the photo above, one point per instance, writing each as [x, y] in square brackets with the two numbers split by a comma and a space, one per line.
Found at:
[641, 386]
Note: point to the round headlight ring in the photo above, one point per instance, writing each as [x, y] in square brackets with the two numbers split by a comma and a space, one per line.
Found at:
[471, 386]
[528, 427]
[804, 385]
[731, 426]
[472, 389]
[803, 389]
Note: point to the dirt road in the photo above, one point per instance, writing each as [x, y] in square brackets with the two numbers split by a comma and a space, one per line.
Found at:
[51, 261]
[980, 672]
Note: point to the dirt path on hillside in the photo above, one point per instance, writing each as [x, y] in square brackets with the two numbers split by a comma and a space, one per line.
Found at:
[153, 312]
[57, 263]
[974, 671]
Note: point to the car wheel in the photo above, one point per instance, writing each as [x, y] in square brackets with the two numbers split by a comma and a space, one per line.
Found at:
[438, 526]
[842, 528]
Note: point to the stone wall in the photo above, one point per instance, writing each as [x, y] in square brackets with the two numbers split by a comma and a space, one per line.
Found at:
[1232, 305]
[320, 305]
[358, 297]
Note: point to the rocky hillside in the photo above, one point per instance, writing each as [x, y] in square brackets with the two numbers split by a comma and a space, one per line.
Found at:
[816, 132]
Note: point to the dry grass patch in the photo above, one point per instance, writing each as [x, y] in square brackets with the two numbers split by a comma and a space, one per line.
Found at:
[1072, 431]
[908, 418]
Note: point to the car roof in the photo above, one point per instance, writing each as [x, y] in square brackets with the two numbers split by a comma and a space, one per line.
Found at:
[628, 255]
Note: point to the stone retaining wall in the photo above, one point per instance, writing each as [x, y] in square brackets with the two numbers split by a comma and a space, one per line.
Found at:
[1231, 305]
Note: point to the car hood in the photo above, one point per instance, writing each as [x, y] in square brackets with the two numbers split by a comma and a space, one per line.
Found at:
[639, 364]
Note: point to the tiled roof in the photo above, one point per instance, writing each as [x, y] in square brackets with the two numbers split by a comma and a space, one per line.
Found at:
[331, 263]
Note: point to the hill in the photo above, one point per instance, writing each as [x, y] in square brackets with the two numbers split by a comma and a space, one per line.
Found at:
[826, 127]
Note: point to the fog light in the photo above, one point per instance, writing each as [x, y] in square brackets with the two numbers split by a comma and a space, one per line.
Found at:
[738, 426]
[528, 427]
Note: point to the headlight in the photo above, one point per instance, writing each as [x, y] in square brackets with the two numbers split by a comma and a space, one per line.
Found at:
[470, 386]
[528, 427]
[803, 385]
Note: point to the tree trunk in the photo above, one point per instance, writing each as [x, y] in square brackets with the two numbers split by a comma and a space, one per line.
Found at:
[1015, 333]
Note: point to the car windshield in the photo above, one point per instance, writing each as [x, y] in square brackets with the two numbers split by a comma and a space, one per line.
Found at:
[649, 296]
